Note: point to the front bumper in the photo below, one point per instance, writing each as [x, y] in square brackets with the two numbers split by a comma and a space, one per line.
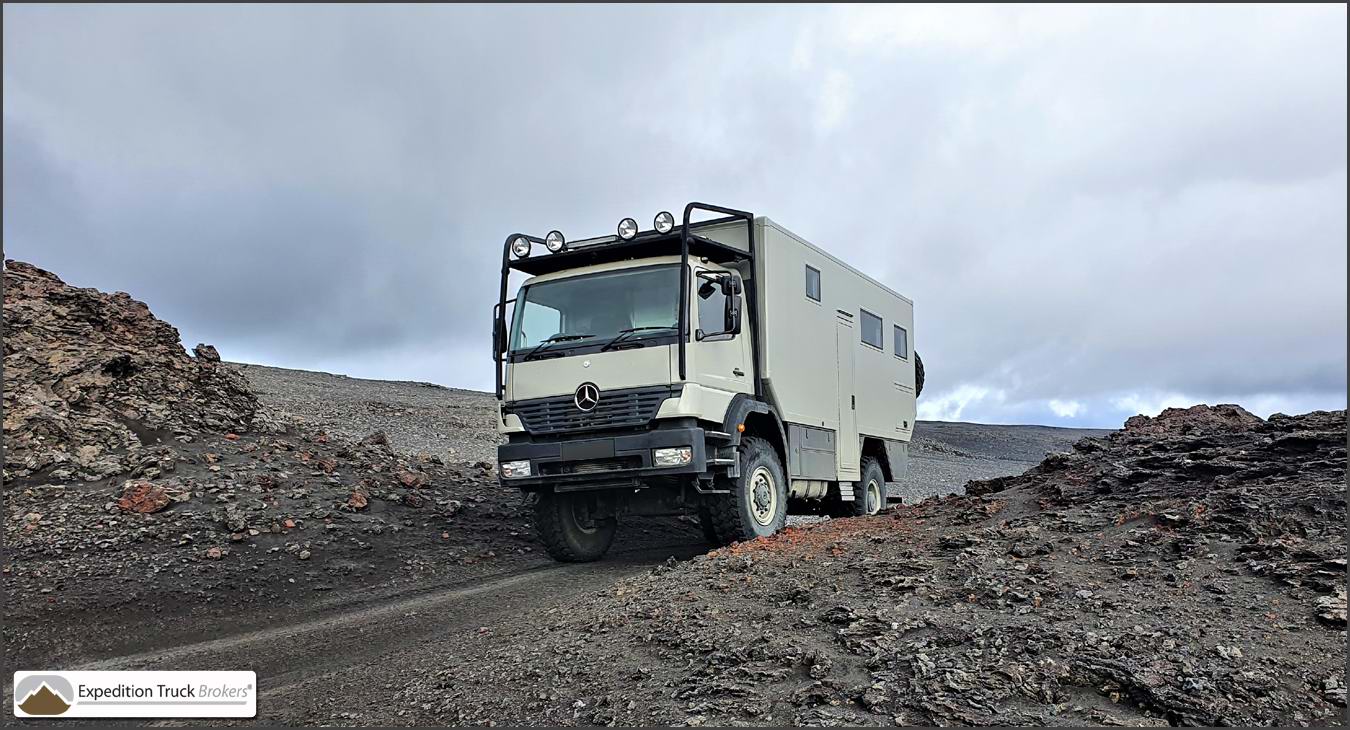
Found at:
[599, 462]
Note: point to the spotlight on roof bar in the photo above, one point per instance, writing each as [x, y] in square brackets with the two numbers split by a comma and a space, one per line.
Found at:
[664, 222]
[554, 241]
[627, 229]
[520, 247]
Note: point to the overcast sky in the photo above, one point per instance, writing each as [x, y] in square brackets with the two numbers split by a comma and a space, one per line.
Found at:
[1097, 211]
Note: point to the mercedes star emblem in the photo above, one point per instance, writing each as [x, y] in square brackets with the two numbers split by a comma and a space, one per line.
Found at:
[587, 396]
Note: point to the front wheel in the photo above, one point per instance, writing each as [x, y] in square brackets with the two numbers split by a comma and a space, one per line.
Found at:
[757, 503]
[573, 526]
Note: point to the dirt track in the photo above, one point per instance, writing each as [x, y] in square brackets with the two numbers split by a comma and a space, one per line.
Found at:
[346, 659]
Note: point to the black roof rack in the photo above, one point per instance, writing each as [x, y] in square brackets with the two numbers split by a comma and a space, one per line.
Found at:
[644, 245]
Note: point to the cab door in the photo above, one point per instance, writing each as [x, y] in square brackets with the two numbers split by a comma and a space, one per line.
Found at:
[720, 361]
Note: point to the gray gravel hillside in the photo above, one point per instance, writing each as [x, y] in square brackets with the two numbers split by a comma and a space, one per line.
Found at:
[454, 424]
[457, 425]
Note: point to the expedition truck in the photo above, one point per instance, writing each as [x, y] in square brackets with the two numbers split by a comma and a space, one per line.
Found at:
[724, 368]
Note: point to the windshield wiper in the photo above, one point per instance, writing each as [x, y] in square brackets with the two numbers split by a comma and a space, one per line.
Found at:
[552, 340]
[623, 335]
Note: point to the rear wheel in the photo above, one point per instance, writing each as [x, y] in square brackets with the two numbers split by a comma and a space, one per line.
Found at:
[872, 497]
[757, 503]
[571, 528]
[869, 492]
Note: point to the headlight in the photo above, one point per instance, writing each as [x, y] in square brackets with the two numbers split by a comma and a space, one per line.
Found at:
[678, 456]
[627, 229]
[515, 469]
[520, 247]
[664, 222]
[554, 241]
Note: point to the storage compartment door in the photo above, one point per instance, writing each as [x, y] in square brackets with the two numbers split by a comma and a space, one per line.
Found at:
[846, 447]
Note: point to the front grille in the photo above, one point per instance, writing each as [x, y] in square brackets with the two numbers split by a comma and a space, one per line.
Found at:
[594, 466]
[616, 409]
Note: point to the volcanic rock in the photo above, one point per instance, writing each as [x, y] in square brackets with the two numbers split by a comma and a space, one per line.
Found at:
[1188, 570]
[144, 497]
[91, 378]
[1195, 420]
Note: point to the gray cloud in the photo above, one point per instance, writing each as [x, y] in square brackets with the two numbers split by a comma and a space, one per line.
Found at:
[1108, 208]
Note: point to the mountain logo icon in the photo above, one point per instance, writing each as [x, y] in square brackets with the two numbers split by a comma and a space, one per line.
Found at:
[43, 694]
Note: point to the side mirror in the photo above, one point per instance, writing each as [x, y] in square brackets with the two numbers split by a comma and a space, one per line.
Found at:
[733, 308]
[499, 329]
[496, 330]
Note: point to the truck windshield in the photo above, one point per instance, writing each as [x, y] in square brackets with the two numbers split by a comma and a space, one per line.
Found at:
[598, 305]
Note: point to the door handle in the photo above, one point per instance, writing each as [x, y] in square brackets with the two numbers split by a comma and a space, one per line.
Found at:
[737, 372]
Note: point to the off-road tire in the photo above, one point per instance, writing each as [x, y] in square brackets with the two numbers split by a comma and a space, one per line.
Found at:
[732, 516]
[864, 503]
[918, 375]
[869, 470]
[564, 538]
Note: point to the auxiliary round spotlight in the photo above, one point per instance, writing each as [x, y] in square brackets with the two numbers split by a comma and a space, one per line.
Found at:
[554, 241]
[627, 229]
[664, 222]
[520, 247]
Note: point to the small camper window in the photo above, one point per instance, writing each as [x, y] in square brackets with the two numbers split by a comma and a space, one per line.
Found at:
[871, 329]
[812, 283]
[901, 342]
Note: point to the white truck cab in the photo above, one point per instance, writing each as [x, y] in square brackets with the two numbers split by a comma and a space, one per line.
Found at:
[723, 368]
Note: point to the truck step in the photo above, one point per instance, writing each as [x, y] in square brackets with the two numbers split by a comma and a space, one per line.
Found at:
[721, 462]
[717, 435]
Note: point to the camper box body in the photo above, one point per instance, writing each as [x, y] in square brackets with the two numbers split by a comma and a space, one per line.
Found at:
[831, 388]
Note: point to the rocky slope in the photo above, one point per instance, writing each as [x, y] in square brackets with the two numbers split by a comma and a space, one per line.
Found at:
[90, 377]
[144, 486]
[1188, 570]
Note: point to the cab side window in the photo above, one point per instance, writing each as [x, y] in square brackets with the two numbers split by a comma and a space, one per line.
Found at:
[901, 342]
[712, 307]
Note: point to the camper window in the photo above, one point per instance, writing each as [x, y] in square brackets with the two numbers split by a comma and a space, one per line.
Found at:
[812, 283]
[871, 329]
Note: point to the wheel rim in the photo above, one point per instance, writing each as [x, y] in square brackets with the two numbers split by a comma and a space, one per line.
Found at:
[873, 497]
[763, 497]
